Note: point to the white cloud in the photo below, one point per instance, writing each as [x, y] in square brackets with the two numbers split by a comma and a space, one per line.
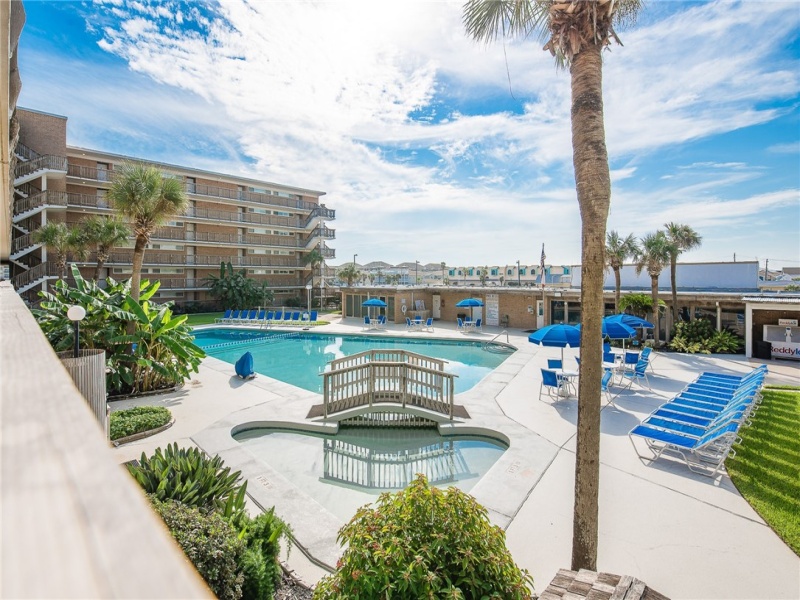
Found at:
[322, 95]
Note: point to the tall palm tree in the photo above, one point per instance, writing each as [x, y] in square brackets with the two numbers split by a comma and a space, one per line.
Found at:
[443, 265]
[576, 33]
[141, 193]
[681, 238]
[59, 238]
[618, 250]
[104, 234]
[654, 253]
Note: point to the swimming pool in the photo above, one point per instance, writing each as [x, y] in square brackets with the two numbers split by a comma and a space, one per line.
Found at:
[351, 468]
[298, 358]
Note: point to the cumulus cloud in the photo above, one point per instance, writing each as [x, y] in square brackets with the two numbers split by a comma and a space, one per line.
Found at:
[349, 96]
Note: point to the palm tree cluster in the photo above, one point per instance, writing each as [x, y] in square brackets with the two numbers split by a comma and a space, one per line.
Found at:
[651, 253]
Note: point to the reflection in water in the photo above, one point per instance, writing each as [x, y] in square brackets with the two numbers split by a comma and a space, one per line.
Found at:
[378, 468]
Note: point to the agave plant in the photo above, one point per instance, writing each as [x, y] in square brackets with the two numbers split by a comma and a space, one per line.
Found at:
[160, 353]
[188, 476]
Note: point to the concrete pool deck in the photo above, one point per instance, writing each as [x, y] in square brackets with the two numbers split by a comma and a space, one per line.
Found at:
[686, 535]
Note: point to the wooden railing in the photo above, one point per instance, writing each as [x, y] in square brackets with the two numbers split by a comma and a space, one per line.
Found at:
[369, 468]
[196, 260]
[45, 269]
[387, 375]
[48, 161]
[46, 198]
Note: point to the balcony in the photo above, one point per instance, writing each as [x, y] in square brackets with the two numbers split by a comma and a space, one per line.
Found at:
[227, 216]
[209, 262]
[194, 189]
[31, 169]
[227, 239]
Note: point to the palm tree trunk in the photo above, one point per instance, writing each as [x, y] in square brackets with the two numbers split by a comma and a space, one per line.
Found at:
[102, 257]
[618, 285]
[654, 296]
[593, 185]
[138, 259]
[673, 269]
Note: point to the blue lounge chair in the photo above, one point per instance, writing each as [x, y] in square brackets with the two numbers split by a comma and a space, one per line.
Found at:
[251, 317]
[312, 317]
[270, 315]
[296, 316]
[224, 318]
[554, 385]
[704, 455]
[278, 315]
[234, 318]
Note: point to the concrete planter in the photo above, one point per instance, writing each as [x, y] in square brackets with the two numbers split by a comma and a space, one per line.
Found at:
[88, 371]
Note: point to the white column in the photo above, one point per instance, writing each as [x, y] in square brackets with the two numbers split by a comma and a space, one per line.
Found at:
[719, 317]
[748, 330]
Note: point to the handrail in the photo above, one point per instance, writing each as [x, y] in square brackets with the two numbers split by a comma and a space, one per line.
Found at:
[23, 242]
[25, 152]
[46, 198]
[198, 260]
[388, 375]
[48, 161]
[42, 270]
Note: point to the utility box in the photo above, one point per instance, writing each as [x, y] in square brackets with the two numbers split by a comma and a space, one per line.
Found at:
[763, 350]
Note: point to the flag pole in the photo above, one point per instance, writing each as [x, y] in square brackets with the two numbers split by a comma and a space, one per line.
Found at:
[544, 302]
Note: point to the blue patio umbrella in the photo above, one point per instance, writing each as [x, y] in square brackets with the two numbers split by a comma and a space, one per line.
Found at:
[469, 303]
[616, 330]
[630, 320]
[557, 336]
[373, 302]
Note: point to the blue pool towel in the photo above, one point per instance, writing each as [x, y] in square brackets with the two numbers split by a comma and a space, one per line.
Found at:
[244, 366]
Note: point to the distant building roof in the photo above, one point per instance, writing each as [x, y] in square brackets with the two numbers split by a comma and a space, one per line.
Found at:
[773, 299]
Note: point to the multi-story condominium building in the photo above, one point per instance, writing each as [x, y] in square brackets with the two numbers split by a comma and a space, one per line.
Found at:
[269, 229]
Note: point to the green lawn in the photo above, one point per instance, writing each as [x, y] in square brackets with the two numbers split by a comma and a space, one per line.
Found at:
[203, 318]
[766, 468]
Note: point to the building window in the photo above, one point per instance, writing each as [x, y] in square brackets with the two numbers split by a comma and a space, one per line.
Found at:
[102, 171]
[191, 185]
[522, 271]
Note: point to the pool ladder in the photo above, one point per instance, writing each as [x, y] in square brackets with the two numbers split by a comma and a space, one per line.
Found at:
[499, 347]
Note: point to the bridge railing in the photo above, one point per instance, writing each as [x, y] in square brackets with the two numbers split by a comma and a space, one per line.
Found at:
[387, 375]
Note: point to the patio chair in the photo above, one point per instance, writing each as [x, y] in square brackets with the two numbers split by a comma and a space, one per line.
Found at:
[645, 355]
[555, 363]
[578, 361]
[270, 315]
[278, 315]
[410, 324]
[478, 325]
[638, 374]
[460, 324]
[704, 455]
[553, 384]
[234, 318]
[629, 360]
[224, 318]
[429, 324]
[295, 316]
[313, 316]
[367, 322]
[605, 385]
[251, 317]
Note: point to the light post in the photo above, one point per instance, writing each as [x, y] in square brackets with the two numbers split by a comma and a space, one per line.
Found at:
[416, 272]
[519, 281]
[354, 259]
[76, 314]
[308, 294]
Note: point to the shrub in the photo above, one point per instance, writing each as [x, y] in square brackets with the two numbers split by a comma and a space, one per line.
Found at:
[189, 476]
[260, 566]
[700, 336]
[423, 542]
[159, 354]
[210, 542]
[137, 419]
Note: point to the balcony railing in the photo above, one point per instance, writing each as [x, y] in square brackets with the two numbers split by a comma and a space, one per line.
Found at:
[46, 269]
[46, 198]
[201, 261]
[248, 239]
[22, 242]
[228, 216]
[48, 161]
[22, 150]
[104, 175]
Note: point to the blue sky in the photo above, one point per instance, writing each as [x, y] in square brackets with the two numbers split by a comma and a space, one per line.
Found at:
[432, 147]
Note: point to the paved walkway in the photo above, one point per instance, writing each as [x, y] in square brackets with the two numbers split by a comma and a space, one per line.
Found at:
[683, 534]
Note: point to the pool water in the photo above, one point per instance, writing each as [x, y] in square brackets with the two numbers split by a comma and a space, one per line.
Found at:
[350, 469]
[298, 358]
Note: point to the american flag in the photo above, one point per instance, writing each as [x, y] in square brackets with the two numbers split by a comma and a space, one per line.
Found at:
[541, 263]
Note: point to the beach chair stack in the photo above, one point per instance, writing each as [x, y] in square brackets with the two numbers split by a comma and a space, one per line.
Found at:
[700, 424]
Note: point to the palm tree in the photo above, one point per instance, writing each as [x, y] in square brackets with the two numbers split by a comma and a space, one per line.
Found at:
[681, 238]
[654, 253]
[148, 199]
[349, 273]
[618, 250]
[59, 238]
[104, 234]
[576, 33]
[443, 265]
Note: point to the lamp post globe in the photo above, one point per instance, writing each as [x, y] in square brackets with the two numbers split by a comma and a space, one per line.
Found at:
[76, 314]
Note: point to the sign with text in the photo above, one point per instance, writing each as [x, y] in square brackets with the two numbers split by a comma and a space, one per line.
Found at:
[787, 322]
[492, 309]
